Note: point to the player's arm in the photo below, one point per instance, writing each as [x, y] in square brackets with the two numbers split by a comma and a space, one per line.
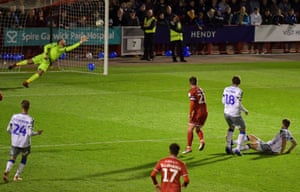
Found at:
[192, 104]
[293, 145]
[283, 145]
[242, 108]
[47, 48]
[186, 179]
[9, 127]
[74, 46]
[154, 180]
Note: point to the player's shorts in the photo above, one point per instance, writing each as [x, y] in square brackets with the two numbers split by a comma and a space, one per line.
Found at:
[199, 118]
[42, 62]
[235, 121]
[264, 147]
[15, 151]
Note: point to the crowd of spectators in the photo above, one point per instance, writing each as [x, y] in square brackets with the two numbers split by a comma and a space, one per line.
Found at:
[201, 13]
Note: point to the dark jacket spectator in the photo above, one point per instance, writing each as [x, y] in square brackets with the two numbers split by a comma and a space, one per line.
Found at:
[267, 18]
[278, 19]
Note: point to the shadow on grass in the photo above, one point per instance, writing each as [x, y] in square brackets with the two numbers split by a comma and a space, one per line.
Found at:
[259, 155]
[11, 88]
[211, 159]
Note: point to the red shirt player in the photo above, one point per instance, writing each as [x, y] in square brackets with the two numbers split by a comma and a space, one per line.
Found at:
[171, 169]
[197, 116]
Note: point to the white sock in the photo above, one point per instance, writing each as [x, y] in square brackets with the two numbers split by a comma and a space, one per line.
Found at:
[229, 138]
[244, 148]
[9, 165]
[20, 169]
[240, 141]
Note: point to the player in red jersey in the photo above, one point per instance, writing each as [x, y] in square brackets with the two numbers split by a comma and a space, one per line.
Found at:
[171, 169]
[197, 116]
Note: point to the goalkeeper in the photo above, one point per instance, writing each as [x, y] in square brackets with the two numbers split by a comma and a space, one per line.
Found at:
[52, 52]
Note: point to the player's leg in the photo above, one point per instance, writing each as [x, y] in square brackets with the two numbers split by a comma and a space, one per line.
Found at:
[20, 169]
[229, 135]
[242, 135]
[44, 65]
[190, 137]
[201, 120]
[10, 163]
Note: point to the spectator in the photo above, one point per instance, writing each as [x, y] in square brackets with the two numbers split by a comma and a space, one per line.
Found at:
[296, 6]
[11, 18]
[242, 18]
[222, 6]
[256, 20]
[290, 19]
[253, 4]
[201, 6]
[31, 20]
[278, 18]
[41, 22]
[118, 20]
[273, 7]
[22, 15]
[265, 4]
[133, 20]
[160, 6]
[200, 23]
[176, 39]
[190, 17]
[210, 19]
[142, 13]
[267, 19]
[180, 9]
[284, 6]
[169, 14]
[228, 16]
[64, 20]
[235, 6]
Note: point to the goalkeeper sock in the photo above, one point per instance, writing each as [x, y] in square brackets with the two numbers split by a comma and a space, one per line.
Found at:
[24, 62]
[33, 77]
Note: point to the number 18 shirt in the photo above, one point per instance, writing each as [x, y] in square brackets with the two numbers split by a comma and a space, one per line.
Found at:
[232, 98]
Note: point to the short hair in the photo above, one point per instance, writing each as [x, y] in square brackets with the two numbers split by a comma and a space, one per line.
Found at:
[25, 104]
[174, 149]
[286, 122]
[236, 80]
[193, 80]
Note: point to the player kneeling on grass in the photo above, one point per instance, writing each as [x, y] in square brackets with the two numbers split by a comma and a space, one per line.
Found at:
[275, 146]
[21, 129]
[52, 52]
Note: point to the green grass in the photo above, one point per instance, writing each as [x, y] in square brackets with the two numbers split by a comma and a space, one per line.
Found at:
[105, 133]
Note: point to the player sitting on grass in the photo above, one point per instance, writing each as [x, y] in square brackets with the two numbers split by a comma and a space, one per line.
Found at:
[52, 52]
[275, 146]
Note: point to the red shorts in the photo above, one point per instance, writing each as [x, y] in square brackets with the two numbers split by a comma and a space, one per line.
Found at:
[199, 117]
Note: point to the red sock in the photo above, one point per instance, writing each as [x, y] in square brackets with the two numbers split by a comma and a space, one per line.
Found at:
[200, 135]
[190, 137]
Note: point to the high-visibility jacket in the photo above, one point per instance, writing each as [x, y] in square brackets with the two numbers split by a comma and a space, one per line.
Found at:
[147, 23]
[175, 35]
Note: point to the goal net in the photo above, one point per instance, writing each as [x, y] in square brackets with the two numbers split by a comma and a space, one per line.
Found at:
[26, 26]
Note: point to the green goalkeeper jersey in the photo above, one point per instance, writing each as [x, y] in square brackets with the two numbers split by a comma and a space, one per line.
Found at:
[54, 51]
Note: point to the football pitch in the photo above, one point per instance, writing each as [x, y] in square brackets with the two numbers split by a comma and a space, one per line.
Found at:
[105, 133]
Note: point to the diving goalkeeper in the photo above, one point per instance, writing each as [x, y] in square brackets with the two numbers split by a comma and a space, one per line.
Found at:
[52, 52]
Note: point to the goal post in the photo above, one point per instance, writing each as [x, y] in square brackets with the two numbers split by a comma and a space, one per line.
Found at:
[26, 31]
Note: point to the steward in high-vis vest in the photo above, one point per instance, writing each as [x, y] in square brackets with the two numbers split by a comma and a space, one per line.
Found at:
[176, 38]
[149, 28]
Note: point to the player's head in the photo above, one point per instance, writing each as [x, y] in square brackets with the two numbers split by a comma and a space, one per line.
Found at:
[61, 42]
[193, 80]
[286, 123]
[25, 105]
[174, 149]
[236, 80]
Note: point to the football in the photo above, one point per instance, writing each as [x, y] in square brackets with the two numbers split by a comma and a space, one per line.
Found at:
[99, 23]
[1, 97]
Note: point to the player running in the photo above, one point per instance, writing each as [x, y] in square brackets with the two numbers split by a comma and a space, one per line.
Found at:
[232, 101]
[52, 52]
[197, 114]
[171, 169]
[20, 128]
